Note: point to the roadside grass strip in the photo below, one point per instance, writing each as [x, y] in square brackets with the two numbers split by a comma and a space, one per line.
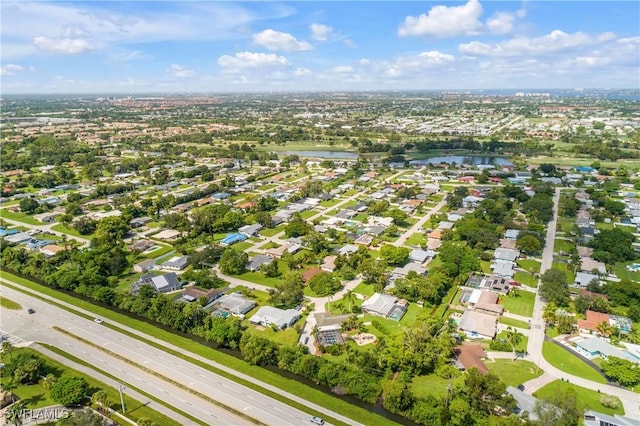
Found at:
[288, 385]
[166, 421]
[162, 377]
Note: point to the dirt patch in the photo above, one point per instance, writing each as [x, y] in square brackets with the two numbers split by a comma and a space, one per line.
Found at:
[362, 339]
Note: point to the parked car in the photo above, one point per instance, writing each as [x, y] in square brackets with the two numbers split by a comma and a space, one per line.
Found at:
[31, 311]
[317, 420]
[97, 320]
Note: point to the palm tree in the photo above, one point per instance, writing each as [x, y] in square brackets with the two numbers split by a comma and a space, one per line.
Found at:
[350, 297]
[8, 387]
[514, 337]
[14, 413]
[549, 313]
[101, 399]
[7, 348]
[604, 329]
[48, 381]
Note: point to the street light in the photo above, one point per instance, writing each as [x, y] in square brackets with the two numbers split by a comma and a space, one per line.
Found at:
[121, 388]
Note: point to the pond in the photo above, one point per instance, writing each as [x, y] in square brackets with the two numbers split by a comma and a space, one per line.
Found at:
[323, 154]
[464, 159]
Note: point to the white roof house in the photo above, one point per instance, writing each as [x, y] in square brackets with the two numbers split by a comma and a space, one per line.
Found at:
[176, 263]
[268, 315]
[418, 255]
[235, 304]
[503, 268]
[379, 304]
[506, 254]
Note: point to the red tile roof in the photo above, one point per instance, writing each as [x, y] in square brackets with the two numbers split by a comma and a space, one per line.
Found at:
[592, 321]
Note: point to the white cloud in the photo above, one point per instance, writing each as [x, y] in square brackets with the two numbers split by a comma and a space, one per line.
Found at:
[555, 41]
[180, 71]
[250, 60]
[279, 41]
[451, 21]
[343, 69]
[320, 32]
[444, 21]
[10, 69]
[66, 46]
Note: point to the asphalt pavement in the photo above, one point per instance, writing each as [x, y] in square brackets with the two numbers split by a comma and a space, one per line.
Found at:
[38, 327]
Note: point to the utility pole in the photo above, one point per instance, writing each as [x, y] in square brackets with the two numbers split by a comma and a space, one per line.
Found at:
[121, 388]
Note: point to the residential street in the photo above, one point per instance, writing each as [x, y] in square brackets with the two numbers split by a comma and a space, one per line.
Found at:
[630, 400]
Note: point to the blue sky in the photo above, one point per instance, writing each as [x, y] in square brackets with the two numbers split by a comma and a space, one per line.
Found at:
[202, 46]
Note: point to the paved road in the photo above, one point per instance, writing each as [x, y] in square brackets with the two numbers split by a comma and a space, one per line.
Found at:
[418, 225]
[630, 400]
[114, 383]
[46, 228]
[37, 327]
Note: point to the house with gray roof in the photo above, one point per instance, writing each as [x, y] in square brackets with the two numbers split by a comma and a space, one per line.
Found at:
[161, 283]
[593, 418]
[233, 304]
[385, 305]
[257, 262]
[176, 263]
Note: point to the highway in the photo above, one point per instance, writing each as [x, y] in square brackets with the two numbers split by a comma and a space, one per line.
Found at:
[38, 327]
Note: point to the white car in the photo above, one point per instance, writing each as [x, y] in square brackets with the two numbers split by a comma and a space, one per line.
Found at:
[317, 420]
[97, 320]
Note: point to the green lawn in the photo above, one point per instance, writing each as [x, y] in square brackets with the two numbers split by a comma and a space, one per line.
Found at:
[330, 203]
[270, 232]
[68, 230]
[295, 387]
[571, 276]
[365, 289]
[36, 396]
[526, 279]
[288, 336]
[515, 372]
[514, 322]
[423, 386]
[242, 246]
[519, 302]
[563, 245]
[566, 361]
[9, 304]
[157, 251]
[620, 269]
[587, 398]
[393, 328]
[308, 213]
[520, 347]
[259, 278]
[20, 217]
[529, 265]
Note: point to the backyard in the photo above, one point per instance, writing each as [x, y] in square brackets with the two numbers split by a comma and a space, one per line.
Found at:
[519, 302]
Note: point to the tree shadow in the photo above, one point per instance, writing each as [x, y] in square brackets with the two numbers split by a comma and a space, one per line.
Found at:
[35, 399]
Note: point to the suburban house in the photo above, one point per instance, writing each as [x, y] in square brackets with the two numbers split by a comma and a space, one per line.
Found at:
[486, 301]
[471, 356]
[257, 261]
[591, 323]
[593, 418]
[418, 255]
[51, 250]
[477, 324]
[269, 316]
[144, 266]
[329, 263]
[490, 282]
[142, 245]
[250, 230]
[524, 402]
[403, 271]
[232, 304]
[584, 278]
[192, 294]
[385, 305]
[506, 254]
[176, 263]
[594, 347]
[232, 239]
[161, 283]
[503, 268]
[139, 221]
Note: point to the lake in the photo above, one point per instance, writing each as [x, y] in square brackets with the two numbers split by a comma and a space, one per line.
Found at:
[464, 159]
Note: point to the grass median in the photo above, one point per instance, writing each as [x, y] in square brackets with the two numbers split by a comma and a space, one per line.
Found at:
[289, 385]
